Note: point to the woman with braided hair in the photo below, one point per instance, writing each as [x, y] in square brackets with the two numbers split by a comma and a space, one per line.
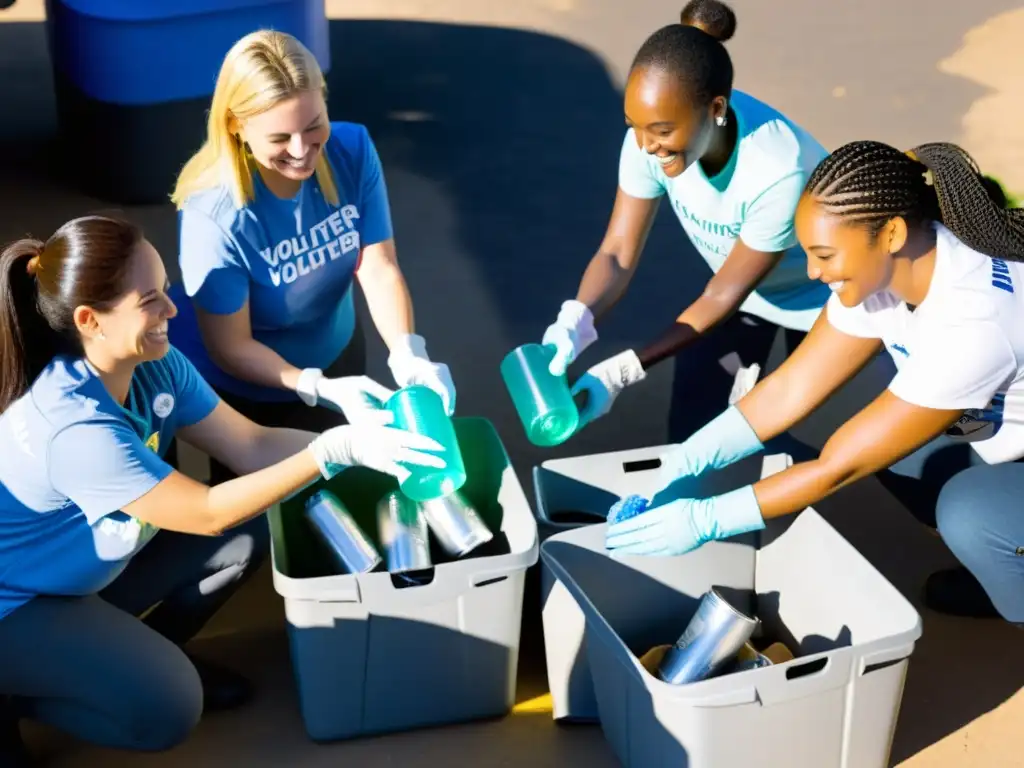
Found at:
[923, 258]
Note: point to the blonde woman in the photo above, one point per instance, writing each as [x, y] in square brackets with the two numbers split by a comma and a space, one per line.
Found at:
[281, 211]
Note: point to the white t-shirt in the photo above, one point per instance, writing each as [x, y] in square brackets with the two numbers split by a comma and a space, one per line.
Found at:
[753, 199]
[961, 348]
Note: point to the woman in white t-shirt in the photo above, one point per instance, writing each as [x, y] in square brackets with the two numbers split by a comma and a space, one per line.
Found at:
[732, 169]
[923, 258]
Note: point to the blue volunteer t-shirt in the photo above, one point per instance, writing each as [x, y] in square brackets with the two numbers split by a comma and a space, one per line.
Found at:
[71, 458]
[293, 260]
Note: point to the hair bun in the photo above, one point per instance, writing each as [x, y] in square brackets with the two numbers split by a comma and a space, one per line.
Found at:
[711, 16]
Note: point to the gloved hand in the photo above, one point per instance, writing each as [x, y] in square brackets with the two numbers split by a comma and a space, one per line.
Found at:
[605, 381]
[410, 365]
[724, 440]
[359, 398]
[570, 334]
[384, 449]
[682, 525]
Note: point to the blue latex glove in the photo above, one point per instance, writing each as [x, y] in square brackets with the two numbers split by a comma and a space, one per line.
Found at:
[682, 525]
[724, 440]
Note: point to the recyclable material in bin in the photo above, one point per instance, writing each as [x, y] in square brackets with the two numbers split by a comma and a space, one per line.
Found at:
[421, 410]
[711, 641]
[750, 658]
[835, 704]
[543, 402]
[403, 533]
[350, 635]
[579, 491]
[351, 548]
[457, 526]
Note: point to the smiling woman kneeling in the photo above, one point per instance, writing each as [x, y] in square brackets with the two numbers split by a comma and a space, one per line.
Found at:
[95, 528]
[924, 260]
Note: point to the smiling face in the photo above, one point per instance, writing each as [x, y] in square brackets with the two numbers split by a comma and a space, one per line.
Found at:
[288, 138]
[665, 121]
[133, 329]
[845, 255]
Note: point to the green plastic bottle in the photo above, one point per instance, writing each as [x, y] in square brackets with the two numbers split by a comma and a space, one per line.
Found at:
[421, 410]
[544, 402]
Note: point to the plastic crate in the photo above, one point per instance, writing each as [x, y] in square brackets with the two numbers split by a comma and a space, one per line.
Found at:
[372, 654]
[834, 706]
[588, 486]
[138, 75]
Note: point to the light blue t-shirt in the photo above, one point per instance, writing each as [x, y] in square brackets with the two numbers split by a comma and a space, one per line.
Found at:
[292, 259]
[71, 458]
[753, 199]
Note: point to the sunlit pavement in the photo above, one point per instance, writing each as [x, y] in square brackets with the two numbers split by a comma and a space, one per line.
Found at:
[499, 129]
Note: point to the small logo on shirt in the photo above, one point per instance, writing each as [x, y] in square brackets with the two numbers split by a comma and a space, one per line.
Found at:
[153, 442]
[1001, 278]
[163, 404]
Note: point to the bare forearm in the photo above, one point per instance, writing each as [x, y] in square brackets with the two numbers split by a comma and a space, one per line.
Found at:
[252, 361]
[703, 315]
[389, 301]
[245, 497]
[801, 486]
[273, 445]
[775, 405]
[604, 282]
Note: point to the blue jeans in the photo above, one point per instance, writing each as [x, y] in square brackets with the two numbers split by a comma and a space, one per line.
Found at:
[88, 666]
[977, 508]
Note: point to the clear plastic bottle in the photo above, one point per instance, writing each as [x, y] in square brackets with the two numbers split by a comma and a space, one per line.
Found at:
[544, 402]
[421, 410]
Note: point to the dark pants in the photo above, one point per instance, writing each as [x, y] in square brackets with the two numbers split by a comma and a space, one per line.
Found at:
[705, 371]
[977, 508]
[90, 667]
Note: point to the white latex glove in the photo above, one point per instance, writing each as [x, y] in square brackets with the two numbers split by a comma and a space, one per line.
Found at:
[410, 365]
[359, 398]
[604, 381]
[570, 334]
[384, 449]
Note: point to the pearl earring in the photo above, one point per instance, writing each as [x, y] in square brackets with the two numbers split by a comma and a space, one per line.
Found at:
[720, 121]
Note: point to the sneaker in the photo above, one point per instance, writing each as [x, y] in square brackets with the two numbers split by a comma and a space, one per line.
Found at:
[223, 688]
[956, 592]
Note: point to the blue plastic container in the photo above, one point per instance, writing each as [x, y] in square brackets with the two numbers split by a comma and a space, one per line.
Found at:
[138, 75]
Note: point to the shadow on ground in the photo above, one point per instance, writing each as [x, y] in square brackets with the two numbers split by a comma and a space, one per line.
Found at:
[500, 149]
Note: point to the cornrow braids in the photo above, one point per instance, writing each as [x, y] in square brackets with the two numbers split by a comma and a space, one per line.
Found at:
[870, 183]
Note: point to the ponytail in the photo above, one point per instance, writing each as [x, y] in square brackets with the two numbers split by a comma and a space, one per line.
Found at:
[27, 343]
[972, 206]
[84, 263]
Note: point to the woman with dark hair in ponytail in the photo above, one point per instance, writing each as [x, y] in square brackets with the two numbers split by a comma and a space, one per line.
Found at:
[923, 260]
[95, 528]
[732, 169]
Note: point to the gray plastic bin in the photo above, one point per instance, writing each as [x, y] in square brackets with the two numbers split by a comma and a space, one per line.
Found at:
[588, 486]
[834, 706]
[372, 656]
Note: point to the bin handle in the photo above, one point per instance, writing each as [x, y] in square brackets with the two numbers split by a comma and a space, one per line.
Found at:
[642, 465]
[804, 677]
